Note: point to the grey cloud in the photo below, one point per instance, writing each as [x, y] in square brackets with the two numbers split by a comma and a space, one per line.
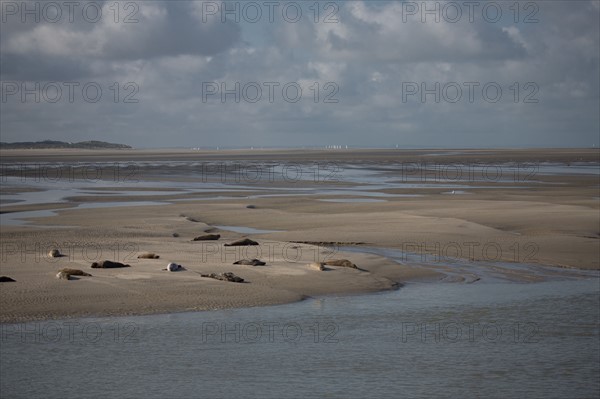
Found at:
[368, 55]
[163, 29]
[180, 33]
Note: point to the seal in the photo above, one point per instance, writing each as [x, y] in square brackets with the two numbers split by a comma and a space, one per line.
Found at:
[107, 264]
[148, 255]
[6, 279]
[245, 241]
[227, 276]
[207, 237]
[54, 253]
[74, 272]
[341, 262]
[174, 267]
[251, 262]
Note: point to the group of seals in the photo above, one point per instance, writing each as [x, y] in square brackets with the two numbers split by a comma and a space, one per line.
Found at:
[251, 262]
[108, 264]
[245, 241]
[148, 255]
[227, 276]
[207, 237]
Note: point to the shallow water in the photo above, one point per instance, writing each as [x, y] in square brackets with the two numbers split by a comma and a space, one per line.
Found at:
[20, 218]
[56, 182]
[465, 270]
[424, 340]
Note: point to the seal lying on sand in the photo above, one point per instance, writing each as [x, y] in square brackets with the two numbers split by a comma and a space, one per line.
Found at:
[227, 276]
[107, 264]
[6, 279]
[174, 267]
[251, 262]
[245, 241]
[148, 255]
[74, 272]
[341, 262]
[207, 237]
[54, 253]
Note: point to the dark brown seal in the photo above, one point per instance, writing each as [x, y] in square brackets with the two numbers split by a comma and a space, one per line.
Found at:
[148, 255]
[107, 264]
[208, 237]
[245, 241]
[227, 276]
[250, 262]
[74, 272]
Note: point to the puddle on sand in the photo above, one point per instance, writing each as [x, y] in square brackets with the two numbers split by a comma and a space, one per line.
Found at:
[16, 218]
[19, 218]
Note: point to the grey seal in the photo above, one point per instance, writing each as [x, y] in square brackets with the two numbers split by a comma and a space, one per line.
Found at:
[107, 264]
[245, 241]
[251, 262]
[207, 237]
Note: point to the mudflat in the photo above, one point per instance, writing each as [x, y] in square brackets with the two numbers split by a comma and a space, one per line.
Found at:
[542, 210]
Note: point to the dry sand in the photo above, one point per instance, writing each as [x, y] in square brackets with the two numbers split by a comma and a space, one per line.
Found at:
[555, 222]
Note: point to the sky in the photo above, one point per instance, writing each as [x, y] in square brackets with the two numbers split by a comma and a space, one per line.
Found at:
[305, 73]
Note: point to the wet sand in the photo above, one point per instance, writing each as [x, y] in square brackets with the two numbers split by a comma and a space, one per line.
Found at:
[554, 221]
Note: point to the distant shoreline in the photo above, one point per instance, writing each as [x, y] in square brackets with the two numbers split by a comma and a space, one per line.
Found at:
[53, 144]
[302, 155]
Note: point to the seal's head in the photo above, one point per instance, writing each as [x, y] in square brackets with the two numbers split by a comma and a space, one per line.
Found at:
[54, 253]
[95, 265]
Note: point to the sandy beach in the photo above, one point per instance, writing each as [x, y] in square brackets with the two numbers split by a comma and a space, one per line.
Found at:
[535, 218]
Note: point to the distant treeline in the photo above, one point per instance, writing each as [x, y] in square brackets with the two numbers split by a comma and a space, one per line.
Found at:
[61, 144]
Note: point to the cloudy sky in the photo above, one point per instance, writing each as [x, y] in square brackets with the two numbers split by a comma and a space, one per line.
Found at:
[356, 73]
